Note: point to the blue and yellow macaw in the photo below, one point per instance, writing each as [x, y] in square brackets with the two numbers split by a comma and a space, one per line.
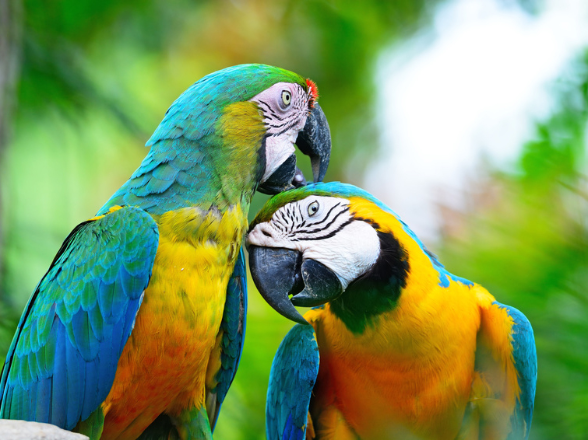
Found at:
[137, 327]
[398, 348]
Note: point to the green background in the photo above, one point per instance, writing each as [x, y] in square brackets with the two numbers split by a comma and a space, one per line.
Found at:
[93, 80]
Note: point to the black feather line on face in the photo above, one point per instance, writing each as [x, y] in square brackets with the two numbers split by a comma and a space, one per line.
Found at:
[272, 112]
[261, 160]
[269, 109]
[291, 117]
[376, 291]
[329, 235]
[328, 214]
[327, 226]
[288, 127]
[308, 232]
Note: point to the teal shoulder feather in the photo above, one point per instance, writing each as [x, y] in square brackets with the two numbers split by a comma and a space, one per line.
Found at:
[63, 358]
[292, 378]
[524, 354]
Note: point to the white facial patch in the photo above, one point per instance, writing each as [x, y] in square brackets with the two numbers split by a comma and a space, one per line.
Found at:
[322, 229]
[285, 109]
[277, 150]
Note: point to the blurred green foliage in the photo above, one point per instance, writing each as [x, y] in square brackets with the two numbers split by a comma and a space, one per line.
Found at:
[525, 239]
[96, 78]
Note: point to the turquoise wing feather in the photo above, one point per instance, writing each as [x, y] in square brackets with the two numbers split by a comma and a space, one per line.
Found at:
[292, 378]
[233, 328]
[525, 359]
[63, 358]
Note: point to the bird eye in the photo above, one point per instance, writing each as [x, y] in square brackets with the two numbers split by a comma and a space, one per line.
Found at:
[286, 97]
[313, 208]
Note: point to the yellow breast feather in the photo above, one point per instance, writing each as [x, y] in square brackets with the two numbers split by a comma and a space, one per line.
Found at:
[182, 306]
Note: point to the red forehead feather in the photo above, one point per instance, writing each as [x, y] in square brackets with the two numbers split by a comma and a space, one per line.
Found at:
[313, 90]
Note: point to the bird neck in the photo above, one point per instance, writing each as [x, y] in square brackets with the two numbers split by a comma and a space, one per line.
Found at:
[378, 290]
[218, 170]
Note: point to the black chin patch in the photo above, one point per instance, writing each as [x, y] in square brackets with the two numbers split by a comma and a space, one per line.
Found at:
[282, 179]
[377, 291]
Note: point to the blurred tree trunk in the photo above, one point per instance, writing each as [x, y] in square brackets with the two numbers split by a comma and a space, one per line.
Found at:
[10, 43]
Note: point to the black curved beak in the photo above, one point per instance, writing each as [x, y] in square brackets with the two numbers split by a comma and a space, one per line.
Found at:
[314, 141]
[279, 273]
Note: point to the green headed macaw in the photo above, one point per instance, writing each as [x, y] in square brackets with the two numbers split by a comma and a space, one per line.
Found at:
[398, 348]
[138, 325]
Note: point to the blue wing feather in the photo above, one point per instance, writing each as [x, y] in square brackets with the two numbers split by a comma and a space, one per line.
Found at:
[62, 361]
[525, 358]
[292, 378]
[233, 328]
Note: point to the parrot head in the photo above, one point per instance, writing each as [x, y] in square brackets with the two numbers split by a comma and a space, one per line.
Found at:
[335, 243]
[249, 118]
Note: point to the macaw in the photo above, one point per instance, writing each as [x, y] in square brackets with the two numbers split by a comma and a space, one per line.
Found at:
[137, 327]
[397, 347]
